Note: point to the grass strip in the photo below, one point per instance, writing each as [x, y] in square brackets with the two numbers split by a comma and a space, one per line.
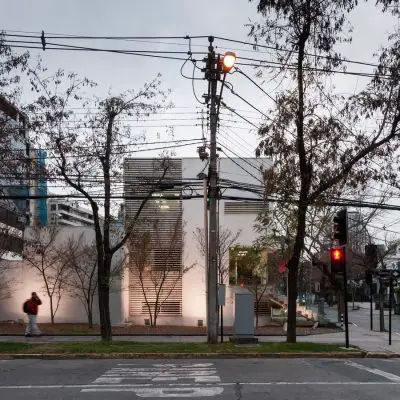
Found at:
[135, 347]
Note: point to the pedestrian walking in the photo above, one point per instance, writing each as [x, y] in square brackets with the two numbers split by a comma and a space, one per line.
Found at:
[31, 307]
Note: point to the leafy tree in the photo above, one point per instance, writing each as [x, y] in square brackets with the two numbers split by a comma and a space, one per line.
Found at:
[314, 152]
[88, 152]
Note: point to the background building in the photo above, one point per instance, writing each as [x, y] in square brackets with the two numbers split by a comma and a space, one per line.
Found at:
[66, 212]
[14, 179]
[38, 187]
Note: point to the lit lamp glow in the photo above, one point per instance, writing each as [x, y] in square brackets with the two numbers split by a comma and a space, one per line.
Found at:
[228, 61]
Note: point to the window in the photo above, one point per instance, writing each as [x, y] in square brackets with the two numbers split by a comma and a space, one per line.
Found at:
[53, 207]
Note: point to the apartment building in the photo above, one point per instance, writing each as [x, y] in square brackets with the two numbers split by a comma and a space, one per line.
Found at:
[65, 212]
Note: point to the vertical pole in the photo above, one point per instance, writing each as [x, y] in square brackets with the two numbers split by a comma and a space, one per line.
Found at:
[346, 311]
[390, 309]
[212, 329]
[206, 242]
[236, 270]
[371, 307]
[222, 324]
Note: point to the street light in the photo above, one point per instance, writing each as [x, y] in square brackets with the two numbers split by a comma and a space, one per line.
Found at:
[228, 61]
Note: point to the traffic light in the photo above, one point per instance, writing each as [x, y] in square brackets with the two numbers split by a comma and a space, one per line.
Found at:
[368, 277]
[337, 260]
[340, 227]
[371, 256]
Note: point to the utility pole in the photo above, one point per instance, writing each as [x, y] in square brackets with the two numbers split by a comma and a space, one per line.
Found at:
[212, 76]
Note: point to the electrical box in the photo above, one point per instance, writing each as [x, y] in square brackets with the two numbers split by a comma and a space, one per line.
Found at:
[221, 294]
[244, 314]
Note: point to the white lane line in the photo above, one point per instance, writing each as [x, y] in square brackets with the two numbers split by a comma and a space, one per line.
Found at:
[139, 386]
[165, 392]
[387, 375]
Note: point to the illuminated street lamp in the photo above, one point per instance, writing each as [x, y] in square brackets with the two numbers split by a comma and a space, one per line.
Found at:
[228, 61]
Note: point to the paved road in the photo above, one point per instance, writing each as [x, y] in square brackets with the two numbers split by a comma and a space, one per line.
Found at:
[217, 379]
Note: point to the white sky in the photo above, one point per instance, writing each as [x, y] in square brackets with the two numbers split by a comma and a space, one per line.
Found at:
[224, 18]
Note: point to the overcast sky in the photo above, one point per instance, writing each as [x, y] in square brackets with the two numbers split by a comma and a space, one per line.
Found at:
[225, 18]
[176, 18]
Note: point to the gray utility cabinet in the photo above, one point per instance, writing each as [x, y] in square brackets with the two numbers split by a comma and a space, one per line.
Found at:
[244, 314]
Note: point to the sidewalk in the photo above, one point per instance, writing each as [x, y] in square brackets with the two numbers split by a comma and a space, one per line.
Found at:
[362, 338]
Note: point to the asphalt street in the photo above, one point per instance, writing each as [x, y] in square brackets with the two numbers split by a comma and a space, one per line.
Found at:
[232, 379]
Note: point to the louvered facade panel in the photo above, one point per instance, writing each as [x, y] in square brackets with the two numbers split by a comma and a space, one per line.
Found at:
[170, 298]
[242, 207]
[161, 220]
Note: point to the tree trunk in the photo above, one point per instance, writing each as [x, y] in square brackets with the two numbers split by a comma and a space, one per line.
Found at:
[104, 310]
[256, 315]
[293, 265]
[51, 311]
[292, 307]
[90, 318]
[104, 300]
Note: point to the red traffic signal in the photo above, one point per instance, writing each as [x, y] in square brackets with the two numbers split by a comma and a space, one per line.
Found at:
[337, 254]
[337, 259]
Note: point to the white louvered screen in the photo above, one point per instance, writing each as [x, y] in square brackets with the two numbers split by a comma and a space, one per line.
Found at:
[161, 219]
[243, 207]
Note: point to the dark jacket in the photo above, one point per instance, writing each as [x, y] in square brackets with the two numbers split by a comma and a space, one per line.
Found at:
[33, 305]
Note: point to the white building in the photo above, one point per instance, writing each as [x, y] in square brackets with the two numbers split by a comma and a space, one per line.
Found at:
[188, 297]
[187, 303]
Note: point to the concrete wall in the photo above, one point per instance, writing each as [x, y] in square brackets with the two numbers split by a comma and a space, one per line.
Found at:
[26, 280]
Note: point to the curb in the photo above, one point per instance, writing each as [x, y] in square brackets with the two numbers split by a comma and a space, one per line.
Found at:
[102, 356]
[155, 335]
[381, 354]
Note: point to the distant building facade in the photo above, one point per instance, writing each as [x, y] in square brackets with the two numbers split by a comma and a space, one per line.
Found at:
[65, 212]
[14, 178]
[38, 215]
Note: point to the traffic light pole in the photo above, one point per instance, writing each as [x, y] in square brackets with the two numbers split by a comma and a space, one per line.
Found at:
[346, 311]
[390, 308]
[212, 328]
[371, 307]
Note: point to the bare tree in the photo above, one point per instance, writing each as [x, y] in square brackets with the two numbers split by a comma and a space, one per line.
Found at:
[80, 255]
[155, 260]
[43, 255]
[88, 155]
[226, 240]
[81, 259]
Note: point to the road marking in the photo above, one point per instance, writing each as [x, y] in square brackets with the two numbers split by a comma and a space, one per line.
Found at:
[387, 375]
[152, 386]
[200, 380]
[164, 392]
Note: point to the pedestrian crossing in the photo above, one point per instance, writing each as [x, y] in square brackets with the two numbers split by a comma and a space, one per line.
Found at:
[161, 380]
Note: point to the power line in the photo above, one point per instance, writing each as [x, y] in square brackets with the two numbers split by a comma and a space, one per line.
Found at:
[255, 44]
[69, 36]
